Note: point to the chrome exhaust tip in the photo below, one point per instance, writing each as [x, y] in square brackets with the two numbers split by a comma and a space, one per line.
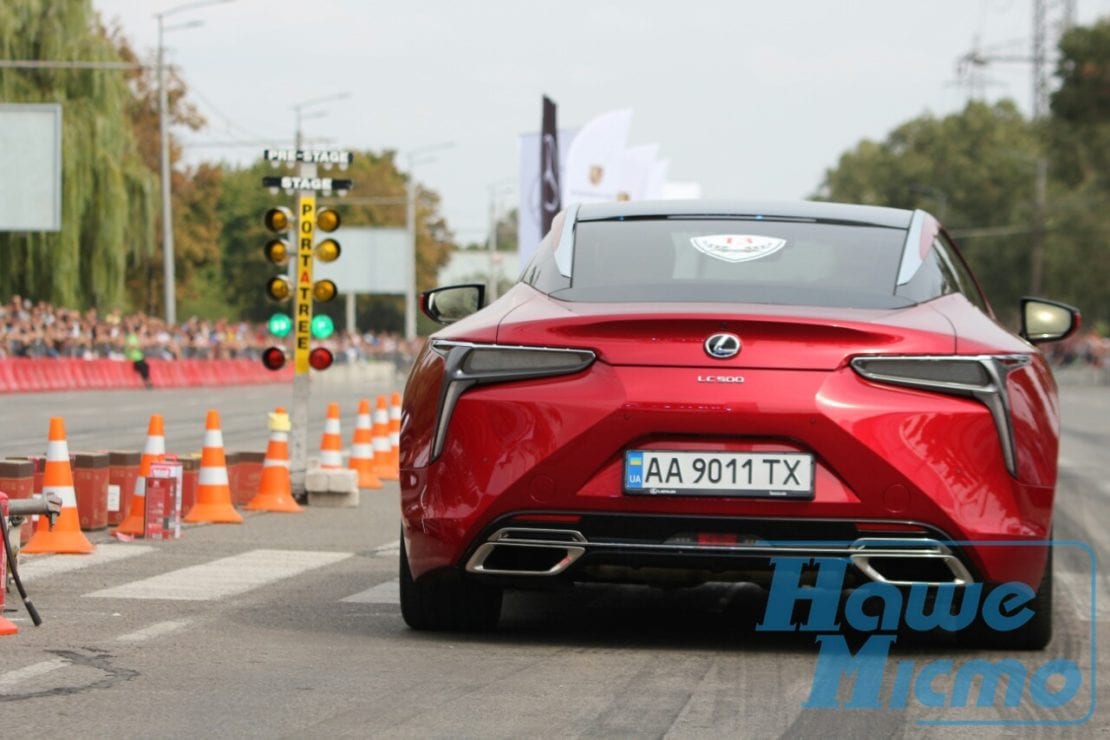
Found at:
[527, 552]
[891, 560]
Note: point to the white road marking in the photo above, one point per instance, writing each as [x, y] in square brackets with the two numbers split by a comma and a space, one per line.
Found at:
[384, 593]
[40, 566]
[389, 548]
[155, 630]
[12, 678]
[224, 577]
[1076, 591]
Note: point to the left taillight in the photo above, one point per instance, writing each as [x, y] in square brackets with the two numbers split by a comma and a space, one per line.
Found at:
[981, 377]
[468, 364]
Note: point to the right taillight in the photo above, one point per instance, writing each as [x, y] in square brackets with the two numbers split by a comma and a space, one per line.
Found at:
[982, 377]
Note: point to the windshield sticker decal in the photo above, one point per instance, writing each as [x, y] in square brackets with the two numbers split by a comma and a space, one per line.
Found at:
[737, 247]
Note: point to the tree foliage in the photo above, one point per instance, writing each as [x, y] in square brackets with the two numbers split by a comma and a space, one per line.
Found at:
[193, 190]
[108, 194]
[976, 170]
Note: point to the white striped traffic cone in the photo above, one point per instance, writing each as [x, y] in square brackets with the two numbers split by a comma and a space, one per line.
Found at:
[154, 451]
[275, 490]
[331, 444]
[381, 441]
[362, 449]
[213, 493]
[66, 536]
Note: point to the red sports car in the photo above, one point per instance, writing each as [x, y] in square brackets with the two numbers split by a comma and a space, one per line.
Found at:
[676, 392]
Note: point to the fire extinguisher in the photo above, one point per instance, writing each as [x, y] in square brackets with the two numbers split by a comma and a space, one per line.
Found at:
[49, 506]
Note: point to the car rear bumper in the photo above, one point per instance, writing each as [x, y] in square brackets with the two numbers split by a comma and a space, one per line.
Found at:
[535, 548]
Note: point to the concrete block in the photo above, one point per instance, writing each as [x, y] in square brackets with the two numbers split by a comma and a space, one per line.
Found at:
[332, 488]
[342, 481]
[316, 480]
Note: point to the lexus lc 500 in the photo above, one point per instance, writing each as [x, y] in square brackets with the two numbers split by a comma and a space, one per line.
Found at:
[677, 392]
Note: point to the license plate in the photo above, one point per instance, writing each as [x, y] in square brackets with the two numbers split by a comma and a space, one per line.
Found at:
[750, 474]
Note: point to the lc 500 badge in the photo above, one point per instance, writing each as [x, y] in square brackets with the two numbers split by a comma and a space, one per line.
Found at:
[720, 378]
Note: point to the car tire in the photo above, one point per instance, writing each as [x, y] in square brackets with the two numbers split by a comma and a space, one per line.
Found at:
[1033, 635]
[446, 601]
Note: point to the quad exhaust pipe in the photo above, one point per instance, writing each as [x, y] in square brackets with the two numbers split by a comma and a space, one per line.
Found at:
[521, 551]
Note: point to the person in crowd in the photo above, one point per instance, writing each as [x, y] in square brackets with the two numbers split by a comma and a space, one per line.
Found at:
[41, 330]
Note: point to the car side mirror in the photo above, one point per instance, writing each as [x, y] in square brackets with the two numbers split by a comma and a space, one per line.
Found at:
[1047, 321]
[448, 305]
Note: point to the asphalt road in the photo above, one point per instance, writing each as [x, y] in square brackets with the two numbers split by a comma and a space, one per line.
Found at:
[291, 626]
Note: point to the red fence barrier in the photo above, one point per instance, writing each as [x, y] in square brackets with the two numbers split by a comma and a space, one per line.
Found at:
[21, 375]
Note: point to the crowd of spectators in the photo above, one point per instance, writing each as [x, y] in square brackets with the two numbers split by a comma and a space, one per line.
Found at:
[29, 329]
[1088, 348]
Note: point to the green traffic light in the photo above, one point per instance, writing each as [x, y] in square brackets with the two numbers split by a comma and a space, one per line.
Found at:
[322, 326]
[280, 325]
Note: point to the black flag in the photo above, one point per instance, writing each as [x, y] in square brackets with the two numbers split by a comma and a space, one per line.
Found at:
[550, 192]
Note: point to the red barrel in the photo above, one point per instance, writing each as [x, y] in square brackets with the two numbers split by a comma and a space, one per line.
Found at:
[232, 473]
[248, 478]
[123, 471]
[190, 472]
[90, 482]
[17, 479]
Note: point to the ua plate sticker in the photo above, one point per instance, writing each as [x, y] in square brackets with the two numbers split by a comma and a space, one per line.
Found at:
[737, 247]
[634, 471]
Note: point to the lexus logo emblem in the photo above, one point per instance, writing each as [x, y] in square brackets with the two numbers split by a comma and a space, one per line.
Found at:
[722, 346]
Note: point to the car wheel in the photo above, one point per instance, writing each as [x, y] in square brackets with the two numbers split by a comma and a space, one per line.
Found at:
[445, 600]
[1033, 635]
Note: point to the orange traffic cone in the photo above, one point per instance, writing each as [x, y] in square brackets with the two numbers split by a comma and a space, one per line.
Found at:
[275, 490]
[331, 444]
[362, 449]
[395, 433]
[213, 494]
[66, 536]
[154, 451]
[385, 470]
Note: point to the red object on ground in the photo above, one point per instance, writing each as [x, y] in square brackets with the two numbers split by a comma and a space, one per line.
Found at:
[174, 471]
[157, 489]
[90, 482]
[24, 375]
[123, 471]
[248, 477]
[231, 460]
[6, 627]
[17, 480]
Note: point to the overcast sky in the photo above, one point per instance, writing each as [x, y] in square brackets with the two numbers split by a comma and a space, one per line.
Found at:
[751, 98]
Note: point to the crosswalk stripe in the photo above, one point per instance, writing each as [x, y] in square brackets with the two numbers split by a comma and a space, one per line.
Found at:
[224, 577]
[40, 566]
[389, 548]
[384, 593]
[12, 678]
[158, 629]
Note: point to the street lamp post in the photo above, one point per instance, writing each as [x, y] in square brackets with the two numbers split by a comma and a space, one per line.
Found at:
[414, 157]
[495, 190]
[168, 276]
[298, 112]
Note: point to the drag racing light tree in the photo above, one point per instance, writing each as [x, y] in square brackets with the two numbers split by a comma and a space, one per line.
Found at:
[324, 291]
[278, 221]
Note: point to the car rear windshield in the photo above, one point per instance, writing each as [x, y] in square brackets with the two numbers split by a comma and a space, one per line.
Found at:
[735, 260]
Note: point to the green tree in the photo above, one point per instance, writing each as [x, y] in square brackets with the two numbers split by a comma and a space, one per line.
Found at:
[107, 192]
[1079, 136]
[194, 194]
